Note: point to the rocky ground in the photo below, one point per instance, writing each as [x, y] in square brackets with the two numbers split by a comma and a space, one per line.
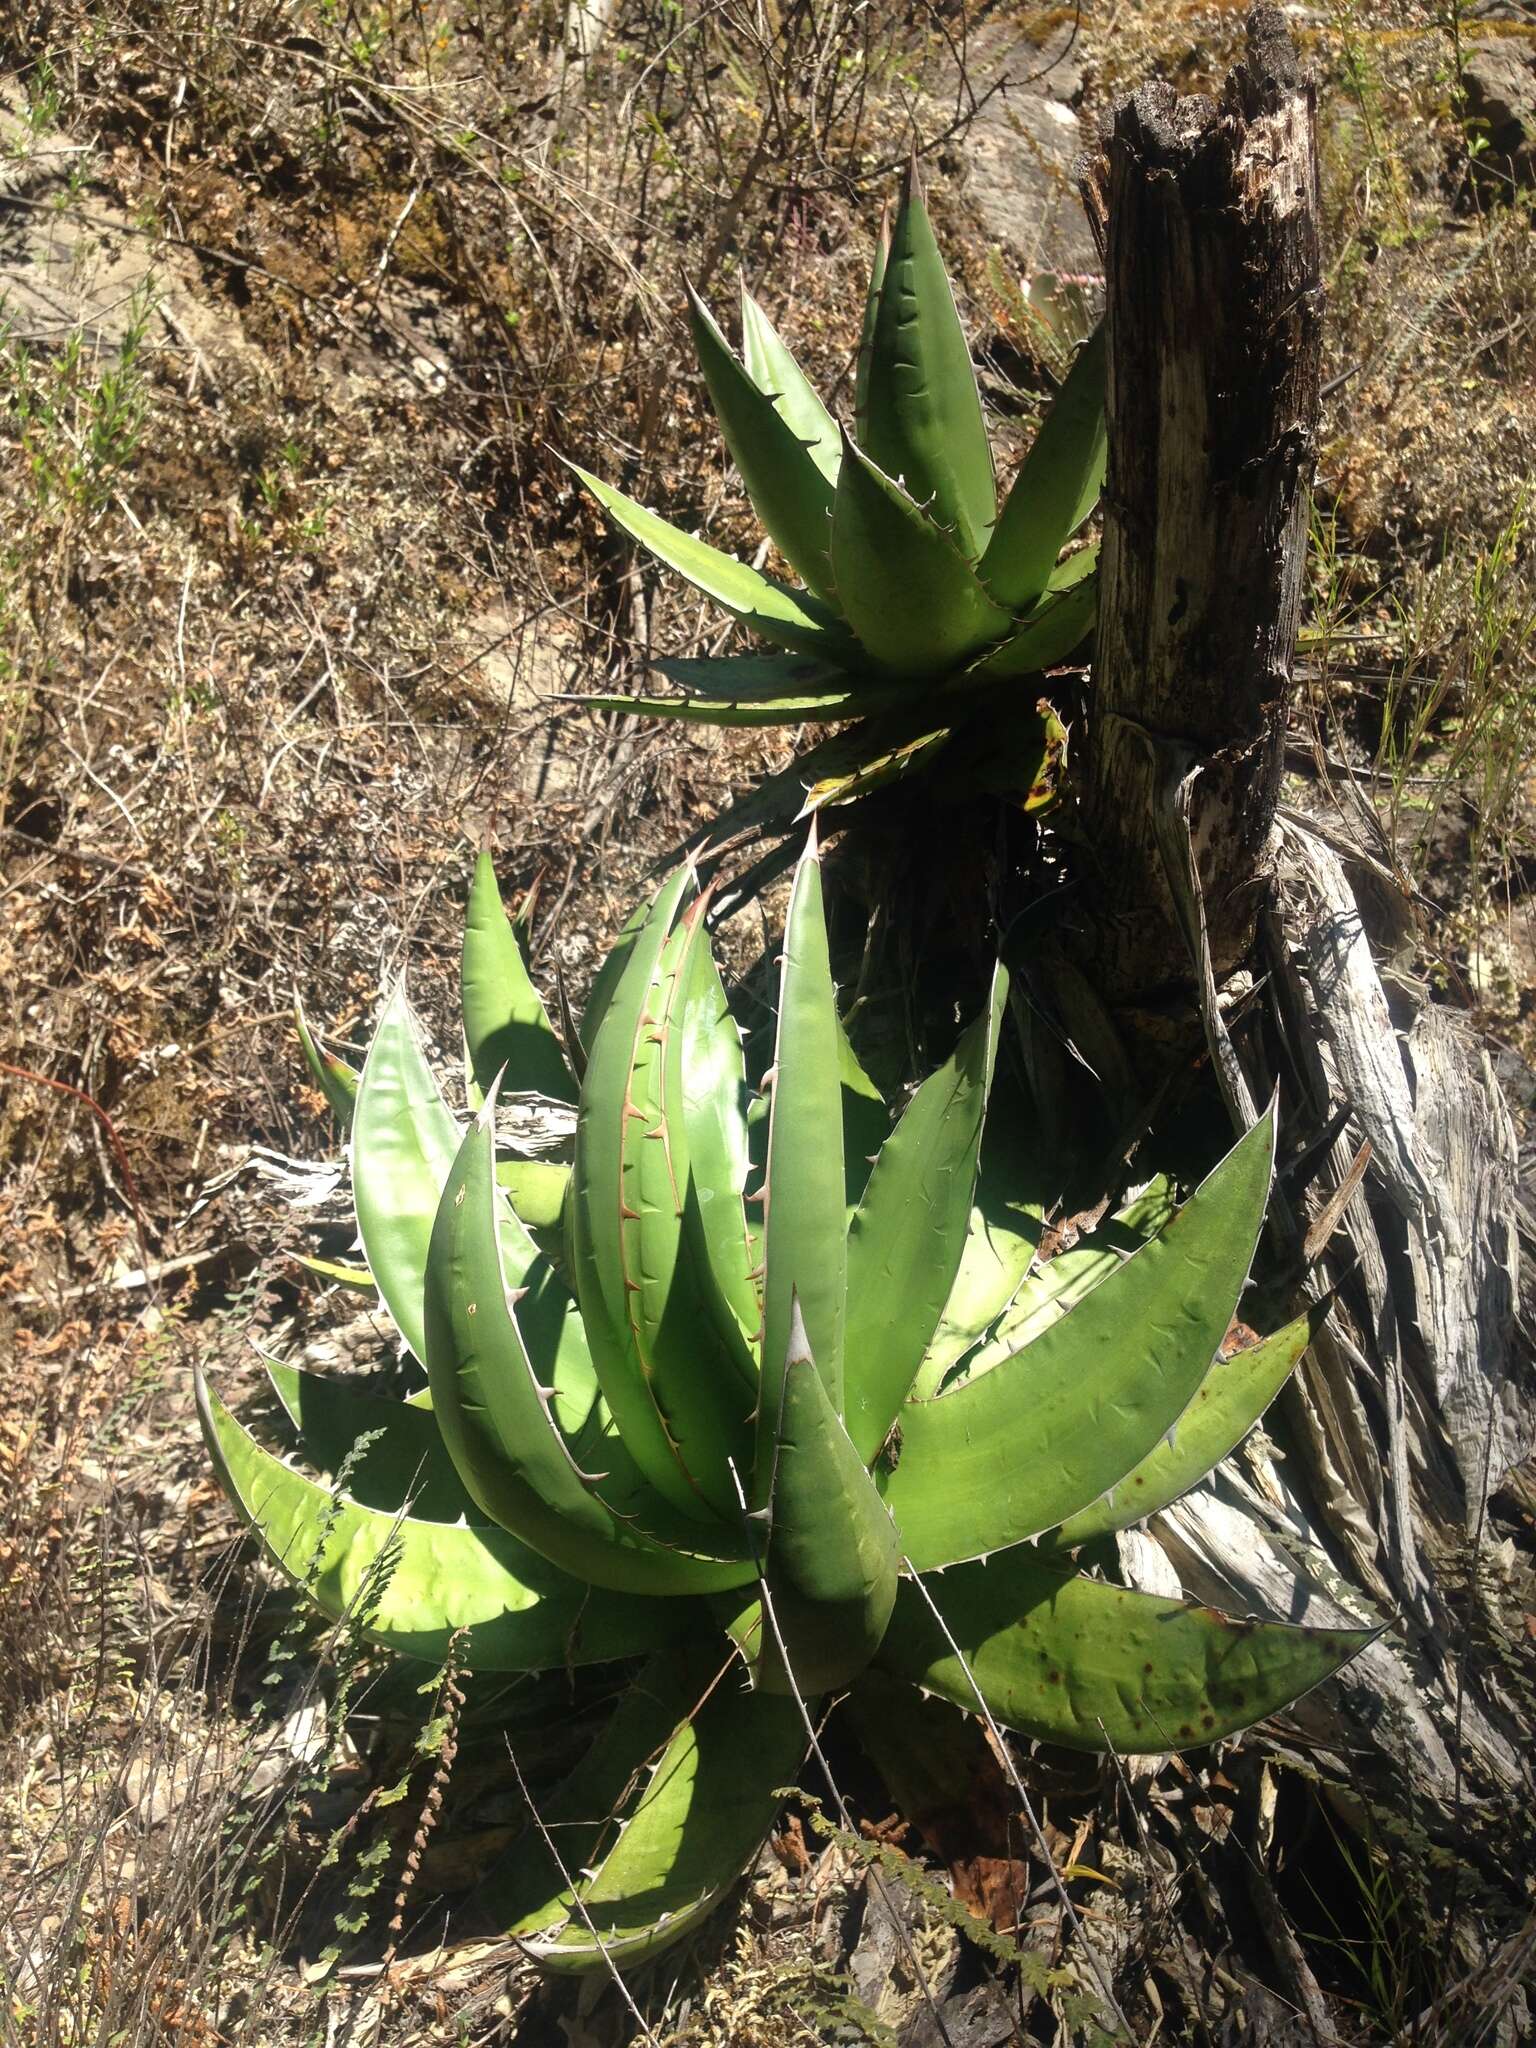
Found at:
[297, 606]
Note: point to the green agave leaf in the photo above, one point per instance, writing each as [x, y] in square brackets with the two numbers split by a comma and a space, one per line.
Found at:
[789, 617]
[1000, 1245]
[756, 678]
[699, 1821]
[804, 1232]
[339, 1273]
[526, 1889]
[609, 975]
[495, 1412]
[333, 1077]
[714, 1085]
[866, 1120]
[536, 1188]
[775, 372]
[908, 1236]
[789, 492]
[922, 412]
[403, 1141]
[1005, 1456]
[871, 763]
[1079, 1661]
[1057, 486]
[833, 1555]
[867, 331]
[1231, 1398]
[908, 592]
[1056, 627]
[413, 1584]
[855, 700]
[612, 1182]
[1053, 1288]
[506, 1025]
[405, 1462]
[697, 1366]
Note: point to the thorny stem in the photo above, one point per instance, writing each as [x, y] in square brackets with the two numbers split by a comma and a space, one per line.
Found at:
[1101, 1974]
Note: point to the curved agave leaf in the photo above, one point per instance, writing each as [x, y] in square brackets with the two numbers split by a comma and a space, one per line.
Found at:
[1057, 486]
[333, 1077]
[412, 1585]
[908, 592]
[755, 678]
[1079, 1661]
[526, 1889]
[775, 372]
[1053, 1288]
[1057, 626]
[1003, 1457]
[536, 1188]
[833, 1555]
[789, 493]
[866, 1120]
[908, 1235]
[610, 974]
[701, 1816]
[853, 700]
[873, 762]
[506, 1025]
[496, 1415]
[1000, 1245]
[696, 1362]
[405, 1461]
[714, 1086]
[789, 617]
[1230, 1400]
[804, 1236]
[622, 1180]
[922, 411]
[403, 1141]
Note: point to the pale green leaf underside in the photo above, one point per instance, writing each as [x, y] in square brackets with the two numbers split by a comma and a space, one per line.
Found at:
[414, 1584]
[404, 1138]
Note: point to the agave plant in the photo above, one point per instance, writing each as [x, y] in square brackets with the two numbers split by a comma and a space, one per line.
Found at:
[847, 1432]
[920, 603]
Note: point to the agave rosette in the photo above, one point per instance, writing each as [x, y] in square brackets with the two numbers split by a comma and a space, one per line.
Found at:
[784, 1404]
[920, 601]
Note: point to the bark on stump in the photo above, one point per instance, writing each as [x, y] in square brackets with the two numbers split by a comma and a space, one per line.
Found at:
[1416, 1399]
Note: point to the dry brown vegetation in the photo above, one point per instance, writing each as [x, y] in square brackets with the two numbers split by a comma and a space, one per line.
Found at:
[292, 591]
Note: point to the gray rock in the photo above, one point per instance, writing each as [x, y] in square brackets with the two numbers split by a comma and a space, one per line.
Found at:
[1020, 150]
[1500, 82]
